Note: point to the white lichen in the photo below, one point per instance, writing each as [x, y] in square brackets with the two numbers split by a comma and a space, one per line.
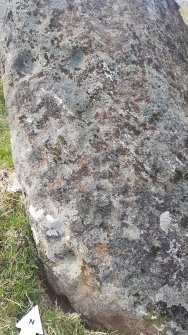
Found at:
[50, 218]
[14, 186]
[36, 214]
[52, 233]
[131, 232]
[165, 221]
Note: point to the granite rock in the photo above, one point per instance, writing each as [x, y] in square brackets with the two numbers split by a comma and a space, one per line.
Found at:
[98, 105]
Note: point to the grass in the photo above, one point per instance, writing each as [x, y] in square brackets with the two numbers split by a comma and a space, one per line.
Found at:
[21, 287]
[5, 152]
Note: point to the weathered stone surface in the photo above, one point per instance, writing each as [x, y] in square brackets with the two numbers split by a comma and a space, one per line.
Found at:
[183, 3]
[98, 103]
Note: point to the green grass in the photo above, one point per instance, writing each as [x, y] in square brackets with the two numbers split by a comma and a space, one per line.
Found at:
[5, 150]
[21, 287]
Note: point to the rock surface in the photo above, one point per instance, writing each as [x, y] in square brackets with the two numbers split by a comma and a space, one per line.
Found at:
[98, 105]
[8, 182]
[183, 3]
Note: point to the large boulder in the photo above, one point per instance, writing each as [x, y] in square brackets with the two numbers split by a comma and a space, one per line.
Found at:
[98, 104]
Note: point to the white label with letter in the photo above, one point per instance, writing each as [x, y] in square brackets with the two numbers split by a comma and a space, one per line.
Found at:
[30, 324]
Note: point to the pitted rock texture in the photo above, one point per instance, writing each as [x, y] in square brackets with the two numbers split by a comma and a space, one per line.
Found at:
[98, 105]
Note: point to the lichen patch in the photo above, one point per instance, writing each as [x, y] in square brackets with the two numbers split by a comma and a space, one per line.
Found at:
[36, 213]
[165, 221]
